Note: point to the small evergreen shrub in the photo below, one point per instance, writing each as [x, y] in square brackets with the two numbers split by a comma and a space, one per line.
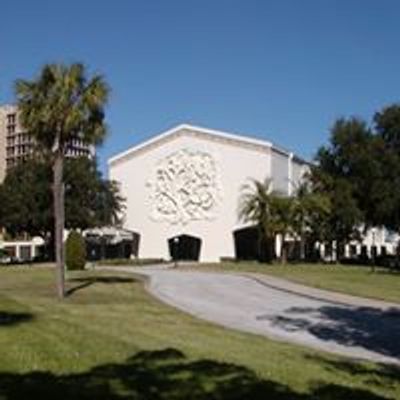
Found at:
[75, 251]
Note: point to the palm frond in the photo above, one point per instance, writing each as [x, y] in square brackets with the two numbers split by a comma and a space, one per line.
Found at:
[62, 104]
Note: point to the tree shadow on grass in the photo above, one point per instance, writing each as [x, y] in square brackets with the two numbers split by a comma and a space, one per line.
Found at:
[165, 375]
[14, 318]
[82, 283]
[385, 375]
[369, 328]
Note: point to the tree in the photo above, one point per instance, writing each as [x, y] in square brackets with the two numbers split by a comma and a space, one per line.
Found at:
[387, 125]
[255, 207]
[311, 211]
[282, 219]
[26, 198]
[90, 200]
[271, 211]
[61, 105]
[361, 166]
[348, 172]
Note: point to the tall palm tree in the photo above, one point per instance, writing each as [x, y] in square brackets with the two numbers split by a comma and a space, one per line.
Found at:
[62, 105]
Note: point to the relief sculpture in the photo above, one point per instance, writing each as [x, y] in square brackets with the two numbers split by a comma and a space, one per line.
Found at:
[185, 187]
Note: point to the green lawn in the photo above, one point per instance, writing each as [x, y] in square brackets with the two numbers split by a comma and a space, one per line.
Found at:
[111, 340]
[355, 280]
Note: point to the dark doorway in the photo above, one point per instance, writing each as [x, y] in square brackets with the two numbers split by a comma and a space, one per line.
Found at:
[184, 247]
[105, 248]
[251, 245]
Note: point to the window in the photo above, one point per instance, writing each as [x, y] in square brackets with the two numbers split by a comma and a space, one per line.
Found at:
[11, 119]
[353, 251]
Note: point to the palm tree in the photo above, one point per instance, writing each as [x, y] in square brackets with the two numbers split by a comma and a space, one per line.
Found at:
[283, 221]
[302, 200]
[62, 105]
[256, 207]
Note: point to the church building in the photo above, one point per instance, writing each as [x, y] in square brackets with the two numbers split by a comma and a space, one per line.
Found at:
[182, 190]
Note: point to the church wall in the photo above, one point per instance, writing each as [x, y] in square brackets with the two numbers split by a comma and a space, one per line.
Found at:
[234, 164]
[280, 171]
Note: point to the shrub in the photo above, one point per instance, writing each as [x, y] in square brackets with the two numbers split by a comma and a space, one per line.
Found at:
[75, 251]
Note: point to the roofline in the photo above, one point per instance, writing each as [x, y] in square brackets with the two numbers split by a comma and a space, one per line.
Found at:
[8, 105]
[144, 144]
[172, 131]
[302, 160]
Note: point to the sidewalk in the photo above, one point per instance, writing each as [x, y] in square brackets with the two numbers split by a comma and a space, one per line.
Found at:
[321, 294]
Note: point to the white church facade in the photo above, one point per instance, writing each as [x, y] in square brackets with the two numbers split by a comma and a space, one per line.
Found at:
[185, 184]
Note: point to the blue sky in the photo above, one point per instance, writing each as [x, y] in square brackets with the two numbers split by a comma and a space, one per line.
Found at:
[279, 70]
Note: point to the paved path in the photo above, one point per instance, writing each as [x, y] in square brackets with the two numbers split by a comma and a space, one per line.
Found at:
[321, 294]
[252, 304]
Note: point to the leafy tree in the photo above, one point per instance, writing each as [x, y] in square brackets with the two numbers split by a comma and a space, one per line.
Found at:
[348, 172]
[387, 125]
[26, 198]
[90, 200]
[360, 171]
[61, 105]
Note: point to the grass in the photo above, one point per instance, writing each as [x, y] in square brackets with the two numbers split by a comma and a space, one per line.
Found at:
[111, 340]
[135, 262]
[354, 280]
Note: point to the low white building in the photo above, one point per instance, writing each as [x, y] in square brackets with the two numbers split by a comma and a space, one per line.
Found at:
[182, 188]
[22, 250]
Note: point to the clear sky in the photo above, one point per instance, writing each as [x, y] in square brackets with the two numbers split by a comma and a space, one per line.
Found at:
[279, 70]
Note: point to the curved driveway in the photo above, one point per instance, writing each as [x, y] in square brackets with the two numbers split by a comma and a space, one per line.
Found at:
[243, 303]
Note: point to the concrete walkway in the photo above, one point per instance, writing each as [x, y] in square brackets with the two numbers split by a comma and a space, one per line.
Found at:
[278, 309]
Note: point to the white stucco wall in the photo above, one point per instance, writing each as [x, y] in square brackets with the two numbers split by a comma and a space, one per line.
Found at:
[280, 171]
[298, 172]
[236, 162]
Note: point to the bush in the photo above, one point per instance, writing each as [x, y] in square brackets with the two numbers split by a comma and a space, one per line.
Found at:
[75, 251]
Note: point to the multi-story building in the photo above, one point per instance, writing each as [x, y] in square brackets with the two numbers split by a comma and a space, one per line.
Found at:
[16, 145]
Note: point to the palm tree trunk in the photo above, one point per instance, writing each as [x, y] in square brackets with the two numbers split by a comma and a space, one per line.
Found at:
[302, 246]
[283, 250]
[58, 194]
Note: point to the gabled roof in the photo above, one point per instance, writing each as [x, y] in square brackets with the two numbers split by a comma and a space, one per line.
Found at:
[210, 134]
[189, 130]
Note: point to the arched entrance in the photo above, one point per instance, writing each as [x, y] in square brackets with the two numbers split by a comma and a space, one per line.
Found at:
[184, 247]
[250, 245]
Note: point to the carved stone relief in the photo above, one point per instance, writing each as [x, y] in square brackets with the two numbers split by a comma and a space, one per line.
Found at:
[185, 187]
